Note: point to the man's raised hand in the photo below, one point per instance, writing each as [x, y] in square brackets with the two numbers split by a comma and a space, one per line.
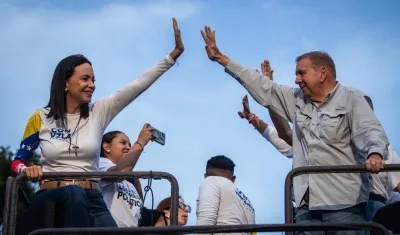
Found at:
[213, 53]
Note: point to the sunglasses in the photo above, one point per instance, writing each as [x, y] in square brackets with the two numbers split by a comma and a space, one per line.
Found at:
[183, 206]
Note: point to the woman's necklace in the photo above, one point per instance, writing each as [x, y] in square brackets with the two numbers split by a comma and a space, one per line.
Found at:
[71, 145]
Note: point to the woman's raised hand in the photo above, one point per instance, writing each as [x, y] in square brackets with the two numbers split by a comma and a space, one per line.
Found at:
[179, 47]
[145, 135]
[246, 109]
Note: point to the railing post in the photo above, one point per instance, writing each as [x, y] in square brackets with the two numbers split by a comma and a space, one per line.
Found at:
[174, 198]
[288, 198]
[6, 209]
[14, 203]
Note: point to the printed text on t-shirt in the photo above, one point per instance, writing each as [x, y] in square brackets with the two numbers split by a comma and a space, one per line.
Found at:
[128, 195]
[244, 199]
[60, 134]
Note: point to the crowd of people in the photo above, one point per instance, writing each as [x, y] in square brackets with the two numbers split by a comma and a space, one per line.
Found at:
[332, 125]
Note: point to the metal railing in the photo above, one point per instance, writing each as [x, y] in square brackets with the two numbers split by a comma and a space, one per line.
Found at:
[321, 170]
[7, 200]
[287, 227]
[221, 229]
[12, 200]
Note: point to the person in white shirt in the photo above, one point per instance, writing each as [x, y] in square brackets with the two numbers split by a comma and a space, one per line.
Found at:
[280, 137]
[68, 131]
[385, 185]
[123, 198]
[267, 131]
[220, 201]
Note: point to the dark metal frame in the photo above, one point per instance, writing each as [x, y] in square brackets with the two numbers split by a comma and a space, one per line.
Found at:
[321, 170]
[221, 229]
[287, 227]
[6, 208]
[12, 198]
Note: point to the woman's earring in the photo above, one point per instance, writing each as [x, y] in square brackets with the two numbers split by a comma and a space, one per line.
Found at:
[166, 214]
[108, 151]
[66, 90]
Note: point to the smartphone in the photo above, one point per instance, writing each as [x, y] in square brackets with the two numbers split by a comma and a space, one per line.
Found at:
[160, 136]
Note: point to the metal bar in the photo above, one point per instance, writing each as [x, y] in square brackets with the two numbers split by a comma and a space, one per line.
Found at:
[106, 175]
[321, 170]
[221, 229]
[6, 209]
[24, 197]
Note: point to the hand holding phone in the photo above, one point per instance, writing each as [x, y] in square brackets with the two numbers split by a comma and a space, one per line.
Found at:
[145, 135]
[159, 136]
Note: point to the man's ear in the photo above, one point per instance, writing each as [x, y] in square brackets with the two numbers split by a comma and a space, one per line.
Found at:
[205, 175]
[233, 179]
[324, 74]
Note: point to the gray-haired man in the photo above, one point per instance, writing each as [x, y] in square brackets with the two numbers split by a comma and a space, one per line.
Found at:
[333, 125]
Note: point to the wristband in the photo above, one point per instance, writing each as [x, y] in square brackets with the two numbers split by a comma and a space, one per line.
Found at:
[254, 121]
[252, 118]
[141, 145]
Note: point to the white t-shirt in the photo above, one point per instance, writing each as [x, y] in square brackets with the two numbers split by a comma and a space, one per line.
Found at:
[85, 135]
[220, 202]
[122, 198]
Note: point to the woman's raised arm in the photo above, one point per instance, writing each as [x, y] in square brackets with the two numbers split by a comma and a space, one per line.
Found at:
[108, 107]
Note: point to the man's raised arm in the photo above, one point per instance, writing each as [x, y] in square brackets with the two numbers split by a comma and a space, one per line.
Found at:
[266, 92]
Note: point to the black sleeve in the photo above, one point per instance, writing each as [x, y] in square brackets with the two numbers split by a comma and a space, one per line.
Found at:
[150, 217]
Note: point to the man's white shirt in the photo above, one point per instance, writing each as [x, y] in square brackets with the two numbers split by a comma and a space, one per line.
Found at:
[220, 202]
[122, 198]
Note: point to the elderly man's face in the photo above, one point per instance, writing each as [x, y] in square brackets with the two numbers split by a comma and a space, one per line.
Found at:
[307, 78]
